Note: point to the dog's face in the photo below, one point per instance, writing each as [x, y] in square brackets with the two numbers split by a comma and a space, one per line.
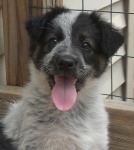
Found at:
[70, 47]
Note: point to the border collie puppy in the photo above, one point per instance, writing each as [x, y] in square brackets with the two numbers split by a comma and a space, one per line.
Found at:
[61, 108]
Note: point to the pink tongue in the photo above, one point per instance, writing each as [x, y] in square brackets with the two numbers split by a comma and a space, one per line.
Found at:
[64, 93]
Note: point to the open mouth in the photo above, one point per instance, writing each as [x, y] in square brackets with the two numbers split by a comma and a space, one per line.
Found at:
[64, 92]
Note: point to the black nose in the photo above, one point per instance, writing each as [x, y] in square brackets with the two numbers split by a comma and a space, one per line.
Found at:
[66, 63]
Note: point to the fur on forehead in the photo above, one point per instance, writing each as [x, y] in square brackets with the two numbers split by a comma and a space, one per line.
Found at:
[109, 37]
[66, 20]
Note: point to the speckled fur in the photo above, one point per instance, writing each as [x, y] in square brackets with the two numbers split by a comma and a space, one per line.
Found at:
[34, 123]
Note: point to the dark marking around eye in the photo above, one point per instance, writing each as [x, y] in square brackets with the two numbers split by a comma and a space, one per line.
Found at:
[53, 41]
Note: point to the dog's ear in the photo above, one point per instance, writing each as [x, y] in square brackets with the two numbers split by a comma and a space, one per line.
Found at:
[111, 39]
[36, 26]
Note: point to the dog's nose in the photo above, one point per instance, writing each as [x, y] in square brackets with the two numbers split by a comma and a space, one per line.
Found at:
[66, 63]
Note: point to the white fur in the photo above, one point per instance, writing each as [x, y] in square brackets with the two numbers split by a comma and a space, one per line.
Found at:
[65, 21]
[82, 128]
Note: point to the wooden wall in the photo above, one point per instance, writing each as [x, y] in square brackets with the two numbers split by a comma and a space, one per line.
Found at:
[15, 13]
[121, 127]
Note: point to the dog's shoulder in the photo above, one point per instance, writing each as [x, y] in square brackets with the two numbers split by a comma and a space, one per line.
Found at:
[5, 143]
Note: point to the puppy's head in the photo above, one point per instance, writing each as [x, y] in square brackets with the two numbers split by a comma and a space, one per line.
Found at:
[70, 47]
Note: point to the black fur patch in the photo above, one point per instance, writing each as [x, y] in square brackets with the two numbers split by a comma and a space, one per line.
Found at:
[38, 27]
[103, 40]
[5, 143]
[45, 46]
[39, 30]
[111, 39]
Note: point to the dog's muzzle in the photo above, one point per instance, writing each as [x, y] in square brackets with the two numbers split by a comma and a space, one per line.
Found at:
[65, 65]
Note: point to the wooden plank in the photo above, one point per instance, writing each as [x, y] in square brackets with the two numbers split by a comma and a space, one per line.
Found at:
[15, 41]
[12, 90]
[3, 71]
[119, 105]
[15, 13]
[121, 125]
[35, 7]
[130, 52]
[59, 3]
[1, 32]
[38, 7]
[51, 3]
[47, 4]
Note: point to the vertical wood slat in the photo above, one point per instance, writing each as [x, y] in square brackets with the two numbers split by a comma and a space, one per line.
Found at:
[121, 129]
[15, 13]
[130, 52]
[59, 3]
[15, 41]
[35, 11]
[51, 3]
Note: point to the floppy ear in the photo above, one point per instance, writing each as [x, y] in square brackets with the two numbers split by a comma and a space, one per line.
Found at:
[111, 39]
[35, 27]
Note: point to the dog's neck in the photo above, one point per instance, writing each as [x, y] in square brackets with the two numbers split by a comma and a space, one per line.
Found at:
[39, 80]
[37, 96]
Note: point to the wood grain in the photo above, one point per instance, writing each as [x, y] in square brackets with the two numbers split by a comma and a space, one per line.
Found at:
[121, 125]
[12, 90]
[59, 3]
[35, 7]
[51, 3]
[15, 13]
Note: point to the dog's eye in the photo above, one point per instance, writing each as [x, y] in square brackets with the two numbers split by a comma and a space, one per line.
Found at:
[86, 45]
[53, 41]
